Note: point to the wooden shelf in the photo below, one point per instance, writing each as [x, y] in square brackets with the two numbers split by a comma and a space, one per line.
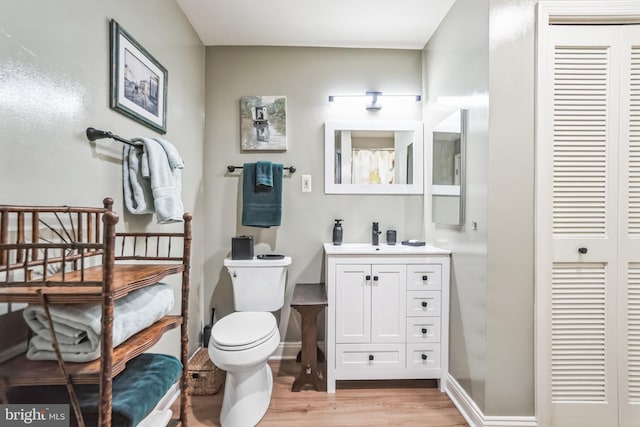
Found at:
[20, 371]
[126, 278]
[42, 239]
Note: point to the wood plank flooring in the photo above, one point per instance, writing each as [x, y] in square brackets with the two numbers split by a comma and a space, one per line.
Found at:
[356, 403]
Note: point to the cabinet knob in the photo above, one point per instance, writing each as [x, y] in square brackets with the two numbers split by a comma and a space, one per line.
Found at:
[371, 358]
[424, 330]
[367, 277]
[425, 278]
[583, 250]
[424, 356]
[424, 304]
[375, 278]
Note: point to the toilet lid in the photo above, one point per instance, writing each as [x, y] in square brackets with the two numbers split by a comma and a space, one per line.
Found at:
[243, 329]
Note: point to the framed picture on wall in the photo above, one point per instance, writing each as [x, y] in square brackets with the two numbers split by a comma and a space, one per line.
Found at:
[263, 123]
[138, 81]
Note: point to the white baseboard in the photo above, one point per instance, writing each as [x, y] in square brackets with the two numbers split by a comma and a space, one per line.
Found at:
[474, 416]
[286, 351]
[289, 350]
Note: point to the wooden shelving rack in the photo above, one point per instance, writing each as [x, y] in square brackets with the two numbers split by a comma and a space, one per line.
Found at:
[67, 255]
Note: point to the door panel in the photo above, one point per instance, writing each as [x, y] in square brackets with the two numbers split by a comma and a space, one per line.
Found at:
[353, 303]
[388, 306]
[583, 110]
[629, 230]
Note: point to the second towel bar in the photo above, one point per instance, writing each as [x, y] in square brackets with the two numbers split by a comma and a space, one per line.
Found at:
[231, 168]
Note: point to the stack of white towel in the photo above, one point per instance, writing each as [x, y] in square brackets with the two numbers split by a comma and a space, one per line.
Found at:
[78, 326]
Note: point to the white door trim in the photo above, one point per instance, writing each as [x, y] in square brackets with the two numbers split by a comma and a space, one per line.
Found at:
[553, 13]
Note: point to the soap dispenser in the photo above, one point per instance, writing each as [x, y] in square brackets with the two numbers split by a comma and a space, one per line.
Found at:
[337, 232]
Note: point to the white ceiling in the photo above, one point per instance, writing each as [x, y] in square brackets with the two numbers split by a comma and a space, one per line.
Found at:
[392, 24]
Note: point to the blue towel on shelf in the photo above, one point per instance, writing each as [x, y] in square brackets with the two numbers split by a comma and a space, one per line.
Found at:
[261, 206]
[136, 391]
[264, 174]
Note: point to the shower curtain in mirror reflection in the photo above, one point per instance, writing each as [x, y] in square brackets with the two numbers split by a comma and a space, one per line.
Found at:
[372, 167]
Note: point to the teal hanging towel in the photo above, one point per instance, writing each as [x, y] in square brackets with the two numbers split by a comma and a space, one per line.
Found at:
[261, 204]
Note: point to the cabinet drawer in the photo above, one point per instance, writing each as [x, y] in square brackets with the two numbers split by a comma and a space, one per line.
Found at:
[423, 356]
[424, 277]
[423, 303]
[372, 357]
[423, 329]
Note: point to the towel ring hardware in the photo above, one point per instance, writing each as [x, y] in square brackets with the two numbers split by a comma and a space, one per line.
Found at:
[231, 168]
[93, 134]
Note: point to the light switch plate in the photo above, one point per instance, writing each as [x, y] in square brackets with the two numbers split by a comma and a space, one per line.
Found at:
[306, 183]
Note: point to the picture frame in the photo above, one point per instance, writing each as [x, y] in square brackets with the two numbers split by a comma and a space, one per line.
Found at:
[138, 81]
[263, 123]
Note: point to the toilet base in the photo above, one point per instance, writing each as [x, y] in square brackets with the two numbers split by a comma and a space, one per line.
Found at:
[247, 395]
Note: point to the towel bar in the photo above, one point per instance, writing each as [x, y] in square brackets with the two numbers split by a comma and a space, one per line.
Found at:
[230, 168]
[94, 134]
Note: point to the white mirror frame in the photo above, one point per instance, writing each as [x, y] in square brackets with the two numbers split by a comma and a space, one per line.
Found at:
[456, 123]
[330, 186]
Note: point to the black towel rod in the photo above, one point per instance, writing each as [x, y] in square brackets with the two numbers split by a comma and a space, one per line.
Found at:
[94, 134]
[230, 168]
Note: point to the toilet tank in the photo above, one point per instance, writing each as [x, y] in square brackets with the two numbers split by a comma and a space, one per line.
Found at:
[258, 284]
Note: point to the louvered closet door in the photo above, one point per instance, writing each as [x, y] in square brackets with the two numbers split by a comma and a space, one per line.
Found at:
[629, 247]
[582, 104]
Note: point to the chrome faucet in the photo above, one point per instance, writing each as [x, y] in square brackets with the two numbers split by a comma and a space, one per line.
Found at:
[375, 233]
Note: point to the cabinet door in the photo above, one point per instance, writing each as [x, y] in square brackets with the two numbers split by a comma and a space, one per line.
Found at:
[388, 304]
[353, 303]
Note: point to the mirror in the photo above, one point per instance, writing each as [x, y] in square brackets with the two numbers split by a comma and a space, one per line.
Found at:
[373, 157]
[448, 178]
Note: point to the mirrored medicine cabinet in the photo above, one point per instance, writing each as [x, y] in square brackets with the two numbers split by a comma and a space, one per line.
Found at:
[374, 157]
[448, 169]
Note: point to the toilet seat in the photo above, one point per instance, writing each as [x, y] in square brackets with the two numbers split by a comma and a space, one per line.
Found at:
[243, 330]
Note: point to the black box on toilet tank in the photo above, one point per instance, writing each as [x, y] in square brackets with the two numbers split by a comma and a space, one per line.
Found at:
[242, 247]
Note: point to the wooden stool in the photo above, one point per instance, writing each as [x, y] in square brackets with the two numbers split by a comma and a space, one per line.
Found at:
[309, 299]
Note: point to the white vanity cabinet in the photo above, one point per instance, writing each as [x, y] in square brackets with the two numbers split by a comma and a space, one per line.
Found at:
[387, 316]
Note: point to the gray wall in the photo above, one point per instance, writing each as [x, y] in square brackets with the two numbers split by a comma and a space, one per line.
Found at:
[488, 47]
[54, 83]
[306, 76]
[456, 64]
[510, 289]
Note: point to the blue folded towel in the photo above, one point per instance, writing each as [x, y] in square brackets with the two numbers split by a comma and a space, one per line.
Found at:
[136, 391]
[264, 174]
[261, 206]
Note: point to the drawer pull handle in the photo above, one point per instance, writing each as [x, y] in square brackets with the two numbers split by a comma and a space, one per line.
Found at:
[583, 250]
[424, 356]
[424, 330]
[371, 358]
[425, 278]
[424, 304]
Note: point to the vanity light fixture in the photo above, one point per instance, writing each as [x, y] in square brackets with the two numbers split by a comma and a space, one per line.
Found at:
[374, 99]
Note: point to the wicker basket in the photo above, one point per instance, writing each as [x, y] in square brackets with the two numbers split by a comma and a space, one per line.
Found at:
[205, 378]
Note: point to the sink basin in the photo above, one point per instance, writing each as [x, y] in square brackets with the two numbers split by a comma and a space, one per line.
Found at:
[382, 249]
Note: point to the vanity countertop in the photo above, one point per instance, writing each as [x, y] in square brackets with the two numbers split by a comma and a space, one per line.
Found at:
[382, 249]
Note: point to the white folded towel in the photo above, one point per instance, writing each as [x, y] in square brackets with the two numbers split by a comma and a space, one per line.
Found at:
[78, 326]
[152, 179]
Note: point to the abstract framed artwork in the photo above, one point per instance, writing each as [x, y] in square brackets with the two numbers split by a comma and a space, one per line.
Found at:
[138, 81]
[263, 123]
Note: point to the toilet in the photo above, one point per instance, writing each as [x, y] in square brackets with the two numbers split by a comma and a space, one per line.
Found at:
[242, 342]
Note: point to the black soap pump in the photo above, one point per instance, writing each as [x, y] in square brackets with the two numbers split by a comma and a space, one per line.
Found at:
[337, 232]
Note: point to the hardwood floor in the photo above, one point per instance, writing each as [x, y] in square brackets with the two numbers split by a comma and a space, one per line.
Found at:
[356, 403]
